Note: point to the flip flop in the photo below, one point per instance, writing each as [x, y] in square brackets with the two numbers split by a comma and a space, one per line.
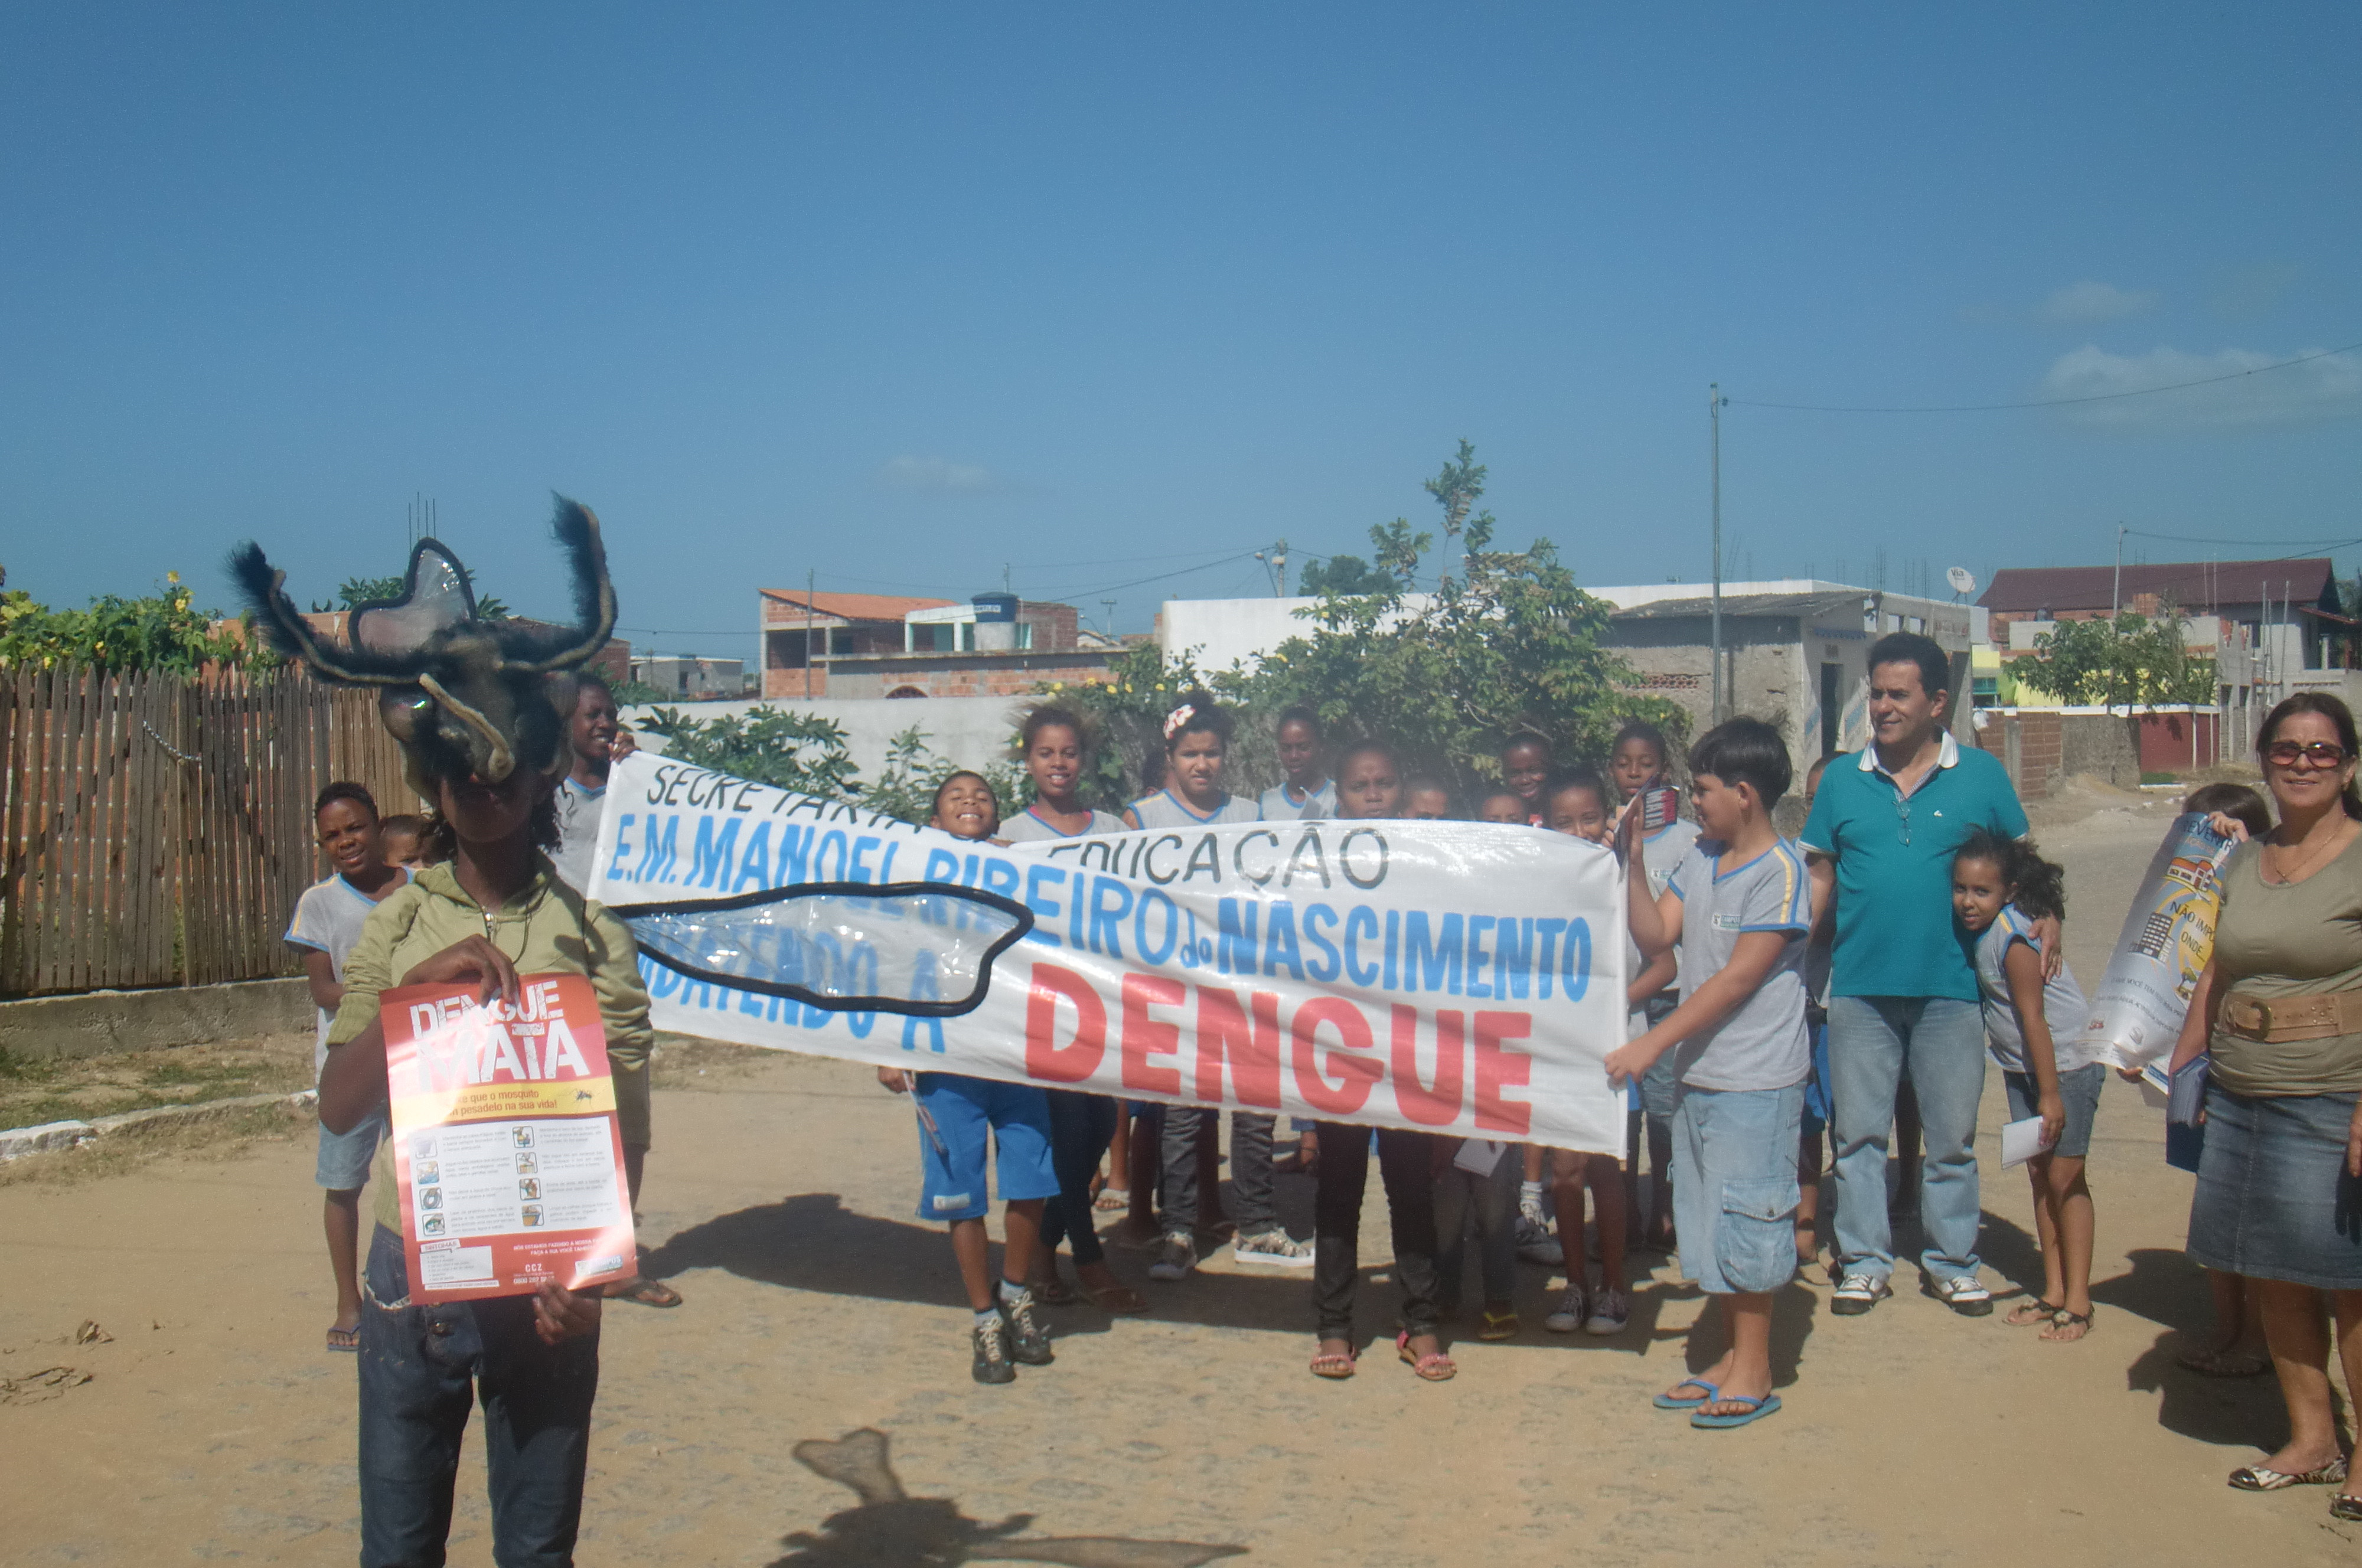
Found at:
[345, 1339]
[1669, 1400]
[1756, 1411]
[1113, 1199]
[2028, 1314]
[1120, 1300]
[647, 1293]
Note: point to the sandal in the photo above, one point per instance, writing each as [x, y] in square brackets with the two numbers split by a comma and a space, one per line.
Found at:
[1120, 1300]
[2262, 1478]
[346, 1339]
[1756, 1411]
[2079, 1321]
[1335, 1365]
[1497, 1326]
[645, 1291]
[1052, 1290]
[2348, 1506]
[1113, 1199]
[1669, 1400]
[2026, 1314]
[2223, 1362]
[1433, 1367]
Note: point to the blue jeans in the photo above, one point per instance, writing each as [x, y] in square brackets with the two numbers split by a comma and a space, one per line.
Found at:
[1081, 1128]
[1492, 1202]
[421, 1369]
[1942, 1041]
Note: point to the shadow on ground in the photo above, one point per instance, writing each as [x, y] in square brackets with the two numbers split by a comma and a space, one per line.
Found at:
[891, 1529]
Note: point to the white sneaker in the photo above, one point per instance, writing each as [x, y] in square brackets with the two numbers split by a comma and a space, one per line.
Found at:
[1858, 1293]
[1273, 1246]
[1964, 1294]
[1570, 1314]
[1179, 1256]
[1609, 1312]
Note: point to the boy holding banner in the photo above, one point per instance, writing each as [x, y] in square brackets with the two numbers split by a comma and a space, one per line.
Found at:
[1740, 905]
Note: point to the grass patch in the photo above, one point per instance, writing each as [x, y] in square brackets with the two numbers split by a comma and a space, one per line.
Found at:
[215, 1138]
[37, 1089]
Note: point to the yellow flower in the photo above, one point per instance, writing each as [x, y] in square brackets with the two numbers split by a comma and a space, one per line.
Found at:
[171, 577]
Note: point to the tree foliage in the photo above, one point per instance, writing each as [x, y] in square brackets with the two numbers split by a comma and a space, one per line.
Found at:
[1343, 575]
[356, 591]
[1506, 642]
[778, 747]
[161, 632]
[2132, 662]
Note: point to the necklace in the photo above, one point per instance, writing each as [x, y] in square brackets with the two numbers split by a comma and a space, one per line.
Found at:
[2337, 835]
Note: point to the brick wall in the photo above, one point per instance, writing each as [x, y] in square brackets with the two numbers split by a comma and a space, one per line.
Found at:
[2031, 745]
[1055, 626]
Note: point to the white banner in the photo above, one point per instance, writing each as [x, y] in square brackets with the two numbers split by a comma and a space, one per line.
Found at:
[2141, 1000]
[1458, 977]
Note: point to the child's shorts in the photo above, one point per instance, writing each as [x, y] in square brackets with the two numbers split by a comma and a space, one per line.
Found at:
[2079, 1092]
[1735, 1189]
[955, 1114]
[345, 1157]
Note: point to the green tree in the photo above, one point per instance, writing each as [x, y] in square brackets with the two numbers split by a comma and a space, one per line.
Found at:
[163, 631]
[770, 746]
[1126, 716]
[1506, 642]
[1344, 574]
[356, 591]
[2132, 662]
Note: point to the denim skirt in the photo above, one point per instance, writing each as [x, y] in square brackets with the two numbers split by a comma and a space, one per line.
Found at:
[2273, 1199]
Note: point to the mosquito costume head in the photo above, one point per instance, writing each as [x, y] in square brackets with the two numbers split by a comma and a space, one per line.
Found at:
[464, 696]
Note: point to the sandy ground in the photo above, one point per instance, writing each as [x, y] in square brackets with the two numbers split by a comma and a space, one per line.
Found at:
[214, 1425]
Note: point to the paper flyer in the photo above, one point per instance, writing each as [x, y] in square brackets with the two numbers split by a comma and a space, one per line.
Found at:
[506, 1150]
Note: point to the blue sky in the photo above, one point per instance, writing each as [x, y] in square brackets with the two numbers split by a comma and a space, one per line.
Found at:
[900, 294]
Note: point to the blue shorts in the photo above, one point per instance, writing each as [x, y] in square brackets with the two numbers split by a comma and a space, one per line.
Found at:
[955, 1114]
[1735, 1189]
[2079, 1092]
[345, 1157]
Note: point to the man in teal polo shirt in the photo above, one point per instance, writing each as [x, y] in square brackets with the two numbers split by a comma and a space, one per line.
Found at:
[1903, 990]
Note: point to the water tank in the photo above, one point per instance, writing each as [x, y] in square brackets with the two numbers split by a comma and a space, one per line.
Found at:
[996, 623]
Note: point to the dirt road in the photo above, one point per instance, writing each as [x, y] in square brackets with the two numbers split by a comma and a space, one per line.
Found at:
[816, 1305]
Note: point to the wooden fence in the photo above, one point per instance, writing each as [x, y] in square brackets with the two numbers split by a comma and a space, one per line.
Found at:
[157, 830]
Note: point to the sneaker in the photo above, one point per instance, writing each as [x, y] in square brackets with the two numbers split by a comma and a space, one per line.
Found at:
[1858, 1293]
[1029, 1342]
[1963, 1294]
[1537, 1245]
[1570, 1314]
[1179, 1256]
[1610, 1310]
[991, 1344]
[1273, 1246]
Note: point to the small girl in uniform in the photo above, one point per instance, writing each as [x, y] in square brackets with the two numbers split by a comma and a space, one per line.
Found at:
[1525, 768]
[1197, 746]
[1577, 806]
[1369, 785]
[2000, 887]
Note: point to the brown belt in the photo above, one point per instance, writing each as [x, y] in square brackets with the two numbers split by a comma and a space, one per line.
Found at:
[2277, 1018]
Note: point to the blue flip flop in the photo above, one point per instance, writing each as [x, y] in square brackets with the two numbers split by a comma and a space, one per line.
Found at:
[1756, 1411]
[1675, 1402]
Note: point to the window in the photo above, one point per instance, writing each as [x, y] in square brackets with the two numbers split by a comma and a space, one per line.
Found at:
[904, 692]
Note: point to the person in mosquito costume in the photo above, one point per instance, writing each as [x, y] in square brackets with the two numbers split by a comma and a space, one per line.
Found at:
[479, 707]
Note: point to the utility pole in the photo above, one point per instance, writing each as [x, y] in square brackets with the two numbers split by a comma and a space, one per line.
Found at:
[1107, 621]
[811, 582]
[1715, 400]
[1274, 563]
[2116, 608]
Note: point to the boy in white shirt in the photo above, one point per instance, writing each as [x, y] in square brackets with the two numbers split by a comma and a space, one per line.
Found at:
[1740, 906]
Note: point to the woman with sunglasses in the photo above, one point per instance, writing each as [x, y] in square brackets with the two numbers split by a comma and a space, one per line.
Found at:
[2278, 1009]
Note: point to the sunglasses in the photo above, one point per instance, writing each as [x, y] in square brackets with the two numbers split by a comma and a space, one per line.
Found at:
[2321, 754]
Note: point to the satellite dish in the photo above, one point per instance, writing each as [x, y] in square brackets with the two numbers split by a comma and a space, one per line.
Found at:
[1961, 579]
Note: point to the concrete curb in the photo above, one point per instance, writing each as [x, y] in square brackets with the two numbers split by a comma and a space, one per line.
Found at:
[18, 1142]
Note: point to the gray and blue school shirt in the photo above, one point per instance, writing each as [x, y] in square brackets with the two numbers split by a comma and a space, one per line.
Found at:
[329, 919]
[2063, 1007]
[1026, 827]
[1166, 810]
[578, 812]
[1762, 1044]
[1281, 804]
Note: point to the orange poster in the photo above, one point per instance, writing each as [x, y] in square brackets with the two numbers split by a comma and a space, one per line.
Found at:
[506, 1150]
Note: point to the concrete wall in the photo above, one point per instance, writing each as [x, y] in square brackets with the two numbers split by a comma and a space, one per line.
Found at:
[970, 731]
[99, 1022]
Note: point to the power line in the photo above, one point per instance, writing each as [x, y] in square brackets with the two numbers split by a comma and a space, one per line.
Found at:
[2202, 539]
[2047, 402]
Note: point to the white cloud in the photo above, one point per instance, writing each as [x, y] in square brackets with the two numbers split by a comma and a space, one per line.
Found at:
[2321, 389]
[2079, 304]
[937, 473]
